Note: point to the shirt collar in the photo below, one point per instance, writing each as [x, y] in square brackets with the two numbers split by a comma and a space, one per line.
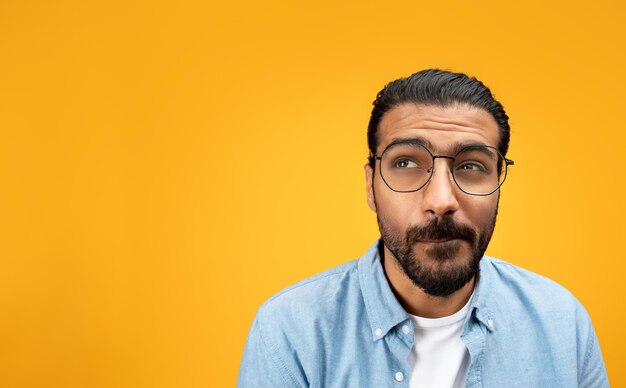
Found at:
[480, 309]
[383, 309]
[385, 312]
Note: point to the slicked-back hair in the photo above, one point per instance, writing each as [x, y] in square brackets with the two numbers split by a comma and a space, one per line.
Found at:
[434, 87]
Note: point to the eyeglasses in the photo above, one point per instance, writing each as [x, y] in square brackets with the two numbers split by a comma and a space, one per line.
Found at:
[476, 169]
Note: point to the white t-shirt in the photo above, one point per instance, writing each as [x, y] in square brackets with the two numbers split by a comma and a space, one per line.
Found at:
[439, 358]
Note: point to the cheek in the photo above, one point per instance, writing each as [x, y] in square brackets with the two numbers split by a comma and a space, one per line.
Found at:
[482, 211]
[398, 210]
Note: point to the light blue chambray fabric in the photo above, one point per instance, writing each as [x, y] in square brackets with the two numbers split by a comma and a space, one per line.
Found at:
[343, 328]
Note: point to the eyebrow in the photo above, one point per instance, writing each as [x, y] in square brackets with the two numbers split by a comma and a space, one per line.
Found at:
[411, 140]
[456, 147]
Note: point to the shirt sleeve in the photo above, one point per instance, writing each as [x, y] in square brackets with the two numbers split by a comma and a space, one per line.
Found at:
[592, 374]
[262, 364]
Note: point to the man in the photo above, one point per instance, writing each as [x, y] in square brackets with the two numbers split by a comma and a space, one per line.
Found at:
[424, 307]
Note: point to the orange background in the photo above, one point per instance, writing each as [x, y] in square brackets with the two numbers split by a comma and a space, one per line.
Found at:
[167, 166]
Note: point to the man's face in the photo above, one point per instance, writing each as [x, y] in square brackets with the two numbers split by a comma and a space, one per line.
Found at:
[439, 233]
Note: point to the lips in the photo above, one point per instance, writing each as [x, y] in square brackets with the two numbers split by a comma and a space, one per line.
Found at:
[438, 240]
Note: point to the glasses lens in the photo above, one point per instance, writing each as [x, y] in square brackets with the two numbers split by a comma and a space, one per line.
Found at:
[479, 170]
[406, 167]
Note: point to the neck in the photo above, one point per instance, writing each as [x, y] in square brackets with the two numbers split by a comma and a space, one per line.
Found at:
[415, 301]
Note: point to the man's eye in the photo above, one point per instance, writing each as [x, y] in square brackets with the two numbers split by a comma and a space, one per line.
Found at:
[472, 166]
[404, 163]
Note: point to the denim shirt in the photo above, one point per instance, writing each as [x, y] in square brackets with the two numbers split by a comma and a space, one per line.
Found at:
[345, 328]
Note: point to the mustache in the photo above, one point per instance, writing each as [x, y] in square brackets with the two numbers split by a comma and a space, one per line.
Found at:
[444, 228]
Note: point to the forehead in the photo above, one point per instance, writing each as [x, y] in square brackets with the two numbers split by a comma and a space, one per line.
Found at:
[444, 127]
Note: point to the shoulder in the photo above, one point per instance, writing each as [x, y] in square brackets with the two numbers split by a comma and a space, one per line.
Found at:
[512, 273]
[288, 326]
[514, 288]
[316, 283]
[538, 316]
[313, 299]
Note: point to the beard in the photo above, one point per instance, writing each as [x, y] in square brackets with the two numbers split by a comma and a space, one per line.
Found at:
[441, 274]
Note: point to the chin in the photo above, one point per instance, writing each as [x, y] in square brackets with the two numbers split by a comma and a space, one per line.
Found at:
[439, 276]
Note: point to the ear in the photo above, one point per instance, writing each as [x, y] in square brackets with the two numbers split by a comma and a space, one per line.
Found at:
[369, 186]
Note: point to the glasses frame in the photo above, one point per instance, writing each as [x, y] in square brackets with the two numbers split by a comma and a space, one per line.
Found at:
[507, 163]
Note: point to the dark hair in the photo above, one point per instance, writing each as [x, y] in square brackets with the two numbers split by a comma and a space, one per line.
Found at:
[436, 88]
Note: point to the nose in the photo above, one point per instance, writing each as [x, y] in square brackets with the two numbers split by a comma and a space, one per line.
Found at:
[440, 193]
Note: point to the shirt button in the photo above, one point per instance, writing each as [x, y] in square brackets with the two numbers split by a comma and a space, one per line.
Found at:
[399, 376]
[490, 323]
[406, 329]
[378, 332]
